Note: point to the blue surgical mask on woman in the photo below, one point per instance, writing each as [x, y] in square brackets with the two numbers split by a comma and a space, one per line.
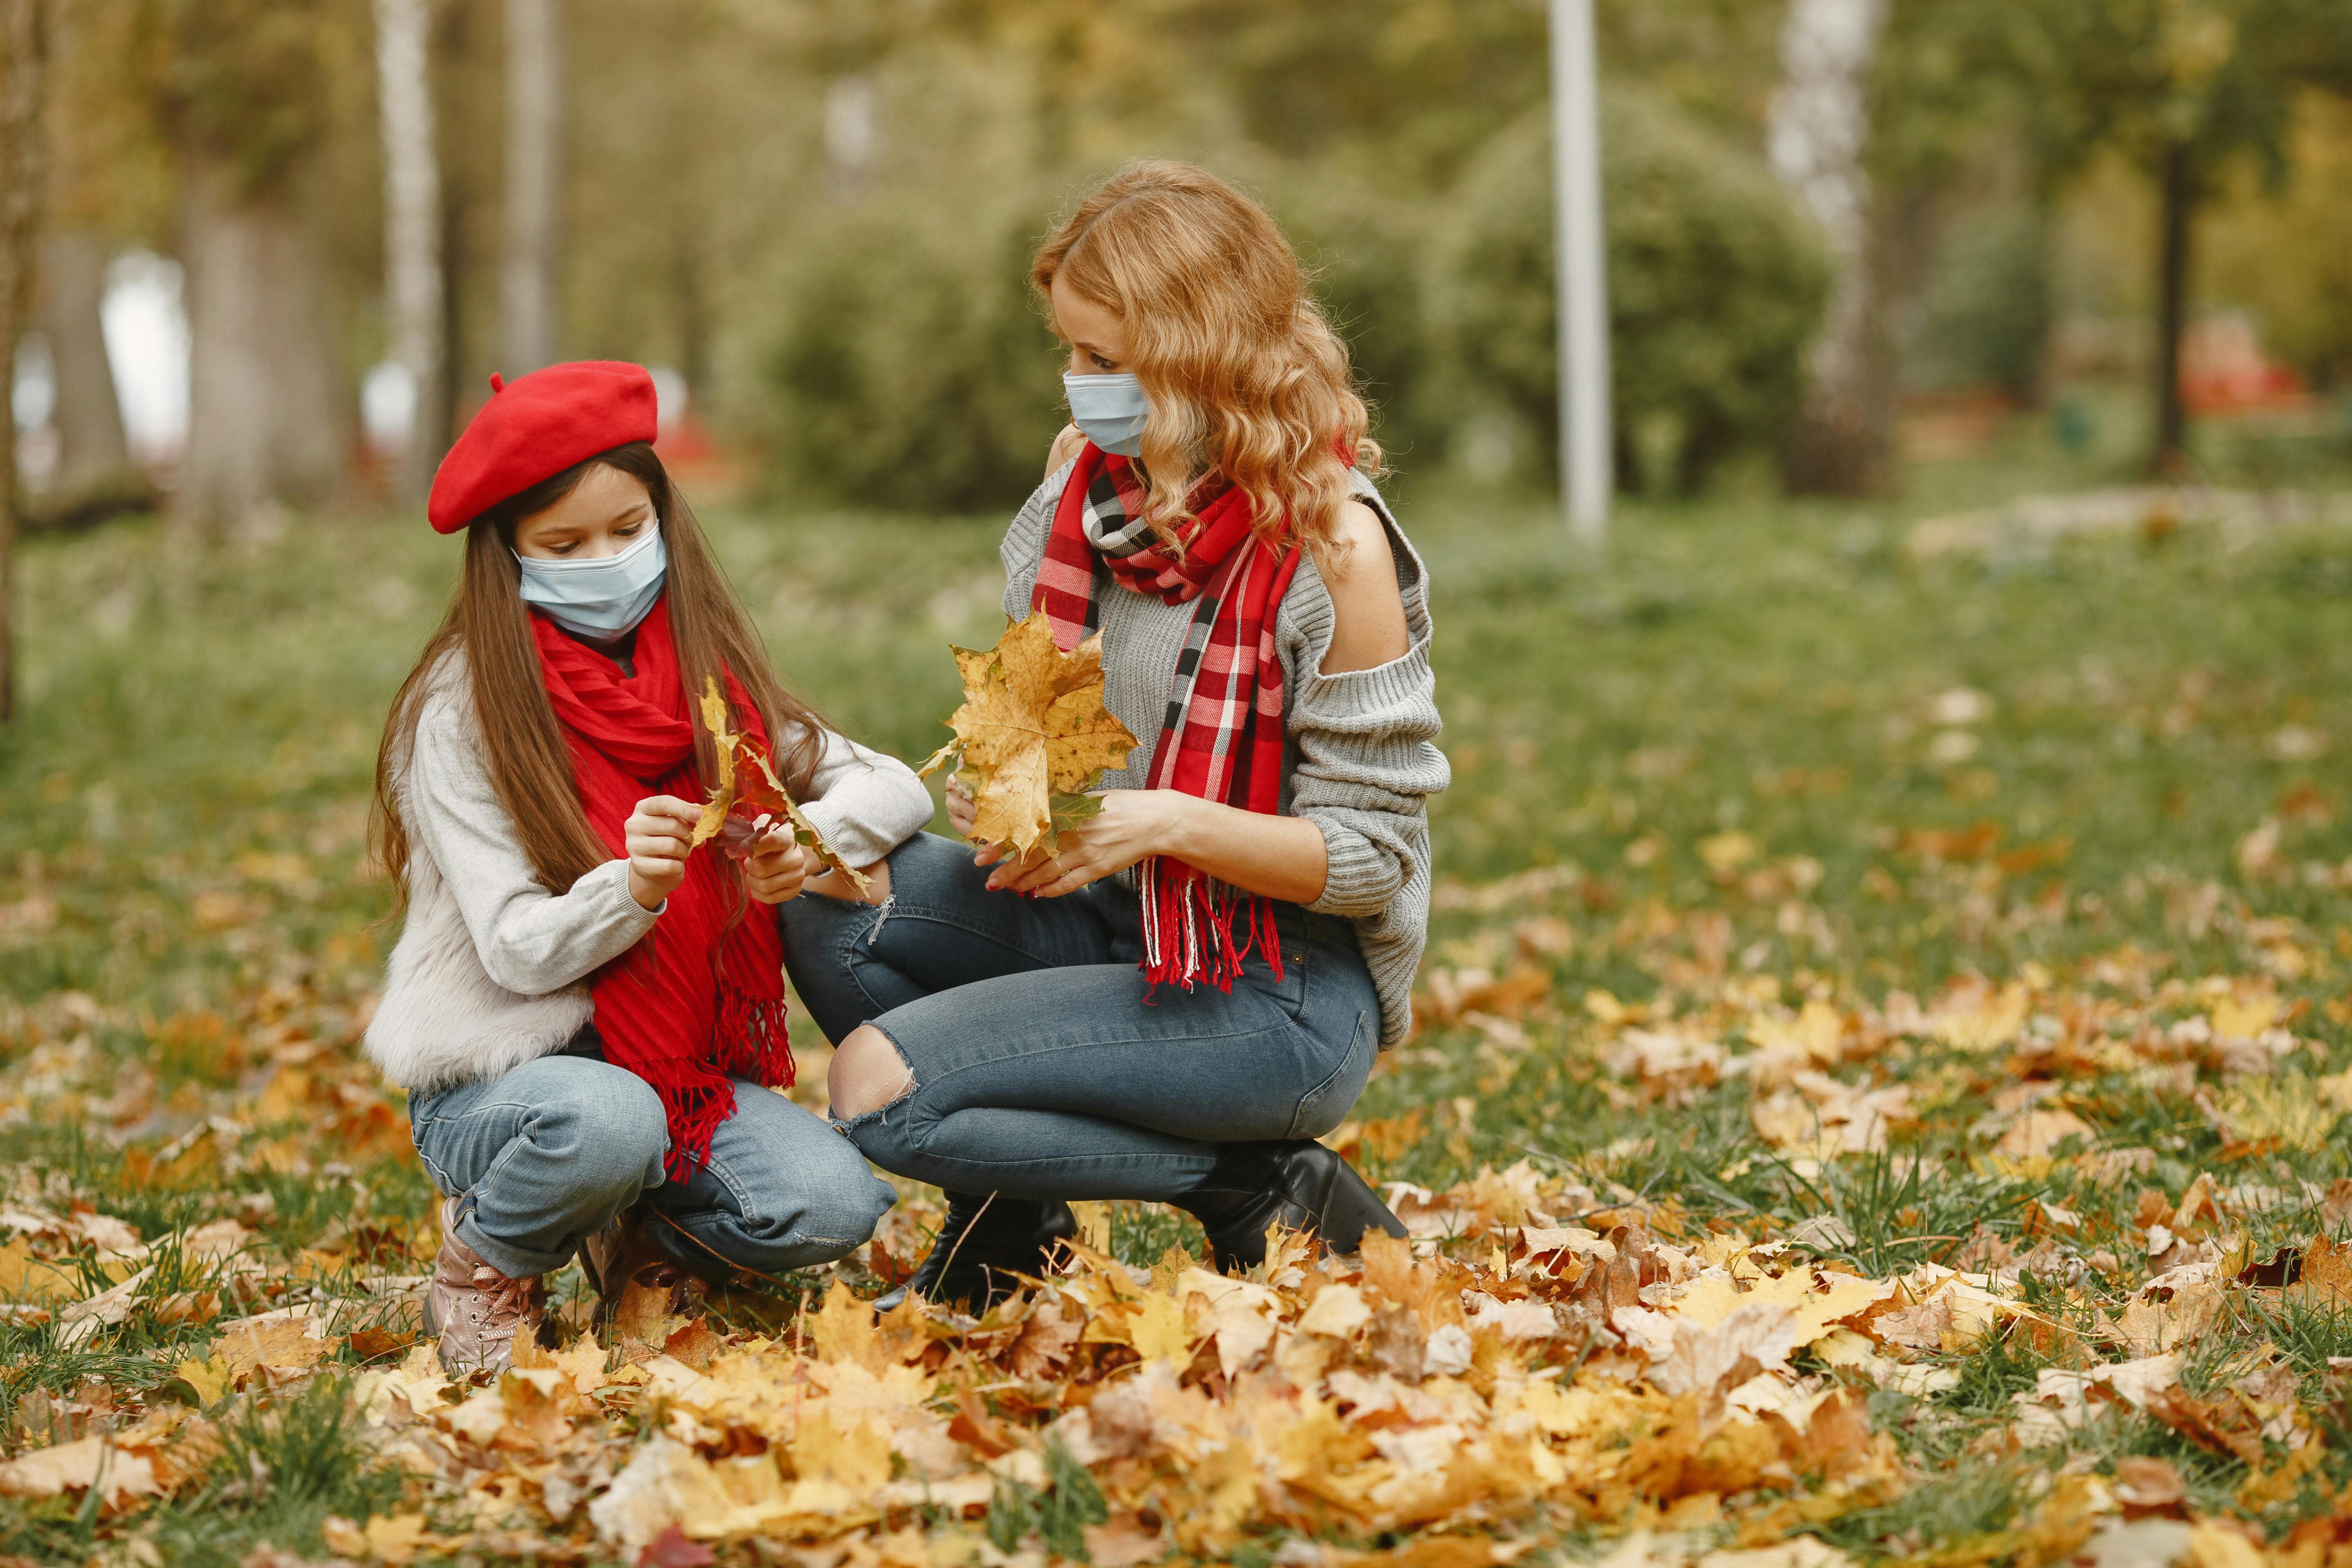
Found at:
[1111, 410]
[603, 596]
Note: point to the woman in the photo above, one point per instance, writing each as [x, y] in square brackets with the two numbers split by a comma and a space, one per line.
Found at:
[1264, 857]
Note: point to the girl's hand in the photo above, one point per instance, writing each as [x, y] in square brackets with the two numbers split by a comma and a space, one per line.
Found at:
[658, 836]
[1133, 823]
[962, 812]
[777, 866]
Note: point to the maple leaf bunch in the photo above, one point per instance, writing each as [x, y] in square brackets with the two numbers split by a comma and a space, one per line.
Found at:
[1032, 737]
[748, 798]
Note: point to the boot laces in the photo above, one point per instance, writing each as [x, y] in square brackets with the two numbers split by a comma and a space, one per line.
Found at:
[500, 1302]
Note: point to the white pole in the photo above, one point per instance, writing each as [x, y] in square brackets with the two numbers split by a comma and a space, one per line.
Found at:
[1585, 460]
[534, 135]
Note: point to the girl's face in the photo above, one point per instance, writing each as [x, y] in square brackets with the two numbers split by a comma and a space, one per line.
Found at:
[1096, 337]
[605, 513]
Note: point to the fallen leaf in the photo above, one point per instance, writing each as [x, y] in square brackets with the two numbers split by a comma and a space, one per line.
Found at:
[671, 1549]
[209, 1378]
[282, 1344]
[117, 1473]
[2147, 1485]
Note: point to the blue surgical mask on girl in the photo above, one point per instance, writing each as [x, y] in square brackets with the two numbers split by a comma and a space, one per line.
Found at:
[1111, 410]
[602, 598]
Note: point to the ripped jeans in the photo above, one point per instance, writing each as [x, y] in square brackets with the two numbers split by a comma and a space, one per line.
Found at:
[1040, 1067]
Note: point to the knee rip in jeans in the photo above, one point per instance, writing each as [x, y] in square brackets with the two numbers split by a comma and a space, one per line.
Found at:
[867, 1075]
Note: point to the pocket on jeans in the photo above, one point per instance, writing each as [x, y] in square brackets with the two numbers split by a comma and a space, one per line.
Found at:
[1322, 1107]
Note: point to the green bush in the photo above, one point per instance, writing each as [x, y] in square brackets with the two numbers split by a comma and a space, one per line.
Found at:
[1715, 284]
[1366, 252]
[913, 371]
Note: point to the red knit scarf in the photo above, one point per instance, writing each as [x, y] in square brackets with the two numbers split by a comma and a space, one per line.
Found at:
[701, 999]
[1222, 738]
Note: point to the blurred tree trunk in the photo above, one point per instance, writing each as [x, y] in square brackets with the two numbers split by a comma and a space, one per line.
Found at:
[2176, 183]
[1820, 132]
[94, 468]
[24, 52]
[412, 228]
[689, 278]
[534, 150]
[263, 424]
[454, 48]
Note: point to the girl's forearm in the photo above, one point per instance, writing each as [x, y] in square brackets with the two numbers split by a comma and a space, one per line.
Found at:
[1279, 856]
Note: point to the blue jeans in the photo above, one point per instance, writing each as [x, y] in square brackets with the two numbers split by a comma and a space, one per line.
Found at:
[1041, 1068]
[545, 1156]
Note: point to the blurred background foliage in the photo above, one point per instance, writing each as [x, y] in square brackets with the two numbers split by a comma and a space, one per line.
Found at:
[817, 212]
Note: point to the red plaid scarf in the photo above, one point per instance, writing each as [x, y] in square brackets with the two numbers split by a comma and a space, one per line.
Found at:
[1222, 737]
[708, 1006]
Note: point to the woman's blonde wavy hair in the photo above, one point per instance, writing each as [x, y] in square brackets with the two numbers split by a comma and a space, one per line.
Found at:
[1244, 376]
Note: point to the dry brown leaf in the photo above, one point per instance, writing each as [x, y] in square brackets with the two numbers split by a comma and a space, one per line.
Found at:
[283, 1344]
[119, 1473]
[1032, 732]
[749, 790]
[2147, 1485]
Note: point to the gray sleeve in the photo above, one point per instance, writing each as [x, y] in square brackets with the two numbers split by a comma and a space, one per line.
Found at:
[867, 803]
[531, 941]
[1367, 757]
[1024, 541]
[1367, 761]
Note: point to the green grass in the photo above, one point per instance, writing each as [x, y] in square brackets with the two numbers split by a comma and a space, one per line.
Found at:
[182, 807]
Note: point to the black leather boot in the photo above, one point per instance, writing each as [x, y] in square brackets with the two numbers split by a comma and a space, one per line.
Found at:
[1303, 1184]
[985, 1241]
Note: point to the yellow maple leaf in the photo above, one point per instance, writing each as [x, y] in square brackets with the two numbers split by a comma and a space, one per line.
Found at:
[1033, 728]
[209, 1377]
[1160, 1332]
[856, 1455]
[844, 1331]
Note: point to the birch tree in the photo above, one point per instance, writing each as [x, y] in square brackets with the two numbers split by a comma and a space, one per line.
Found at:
[533, 171]
[412, 228]
[1819, 135]
[24, 52]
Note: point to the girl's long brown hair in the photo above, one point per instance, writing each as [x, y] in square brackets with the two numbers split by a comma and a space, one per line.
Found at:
[489, 625]
[1243, 375]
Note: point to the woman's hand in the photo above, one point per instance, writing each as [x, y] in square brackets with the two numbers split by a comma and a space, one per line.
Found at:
[777, 866]
[1133, 823]
[657, 837]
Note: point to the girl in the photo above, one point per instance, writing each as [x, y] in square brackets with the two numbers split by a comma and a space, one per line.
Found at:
[1264, 855]
[585, 1013]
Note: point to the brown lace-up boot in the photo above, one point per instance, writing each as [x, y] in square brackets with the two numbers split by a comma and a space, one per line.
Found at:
[476, 1311]
[636, 1277]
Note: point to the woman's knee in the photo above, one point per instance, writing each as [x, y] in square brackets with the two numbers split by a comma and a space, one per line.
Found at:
[867, 1074]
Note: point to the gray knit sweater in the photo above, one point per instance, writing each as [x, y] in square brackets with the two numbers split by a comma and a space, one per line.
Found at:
[1361, 759]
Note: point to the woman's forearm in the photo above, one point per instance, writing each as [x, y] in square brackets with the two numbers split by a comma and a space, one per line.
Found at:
[1279, 856]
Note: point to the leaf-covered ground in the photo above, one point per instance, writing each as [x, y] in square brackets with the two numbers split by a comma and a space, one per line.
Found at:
[1881, 1093]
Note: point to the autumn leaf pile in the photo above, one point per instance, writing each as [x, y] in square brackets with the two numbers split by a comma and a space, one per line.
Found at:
[1555, 1354]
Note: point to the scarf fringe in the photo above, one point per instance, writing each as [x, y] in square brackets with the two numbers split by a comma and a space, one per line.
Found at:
[699, 1101]
[1189, 924]
[754, 1037]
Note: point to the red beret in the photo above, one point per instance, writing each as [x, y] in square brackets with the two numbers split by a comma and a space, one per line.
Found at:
[535, 426]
